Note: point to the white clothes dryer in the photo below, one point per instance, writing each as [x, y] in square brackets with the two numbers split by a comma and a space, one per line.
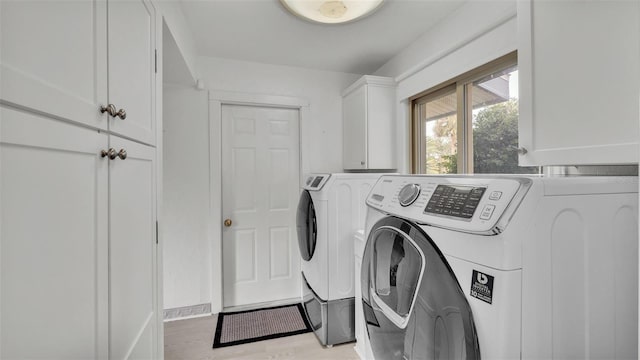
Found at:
[331, 208]
[501, 267]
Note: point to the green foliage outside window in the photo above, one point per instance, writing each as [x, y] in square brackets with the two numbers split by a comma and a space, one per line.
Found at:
[495, 140]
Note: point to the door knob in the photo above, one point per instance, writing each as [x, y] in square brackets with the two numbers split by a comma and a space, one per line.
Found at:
[121, 114]
[122, 154]
[227, 222]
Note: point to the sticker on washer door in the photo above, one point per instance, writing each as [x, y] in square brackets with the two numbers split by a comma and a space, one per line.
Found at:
[482, 286]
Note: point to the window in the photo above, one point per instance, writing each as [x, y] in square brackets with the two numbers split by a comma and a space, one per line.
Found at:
[470, 124]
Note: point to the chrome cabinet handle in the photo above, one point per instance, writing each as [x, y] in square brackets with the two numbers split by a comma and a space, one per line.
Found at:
[121, 114]
[112, 154]
[522, 151]
[111, 110]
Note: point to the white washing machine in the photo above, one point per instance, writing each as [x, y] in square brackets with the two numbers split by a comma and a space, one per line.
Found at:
[501, 267]
[331, 208]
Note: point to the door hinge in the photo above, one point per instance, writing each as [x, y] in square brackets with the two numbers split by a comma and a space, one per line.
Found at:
[155, 56]
[156, 232]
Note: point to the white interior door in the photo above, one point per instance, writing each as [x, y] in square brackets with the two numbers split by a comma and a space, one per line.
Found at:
[132, 252]
[260, 186]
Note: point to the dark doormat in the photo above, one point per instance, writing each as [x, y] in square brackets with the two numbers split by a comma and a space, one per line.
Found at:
[241, 327]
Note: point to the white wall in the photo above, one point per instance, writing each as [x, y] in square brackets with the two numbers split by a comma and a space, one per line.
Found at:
[475, 34]
[173, 16]
[189, 257]
[478, 32]
[321, 88]
[187, 245]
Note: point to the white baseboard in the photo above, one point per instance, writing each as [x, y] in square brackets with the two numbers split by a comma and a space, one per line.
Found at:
[262, 305]
[186, 312]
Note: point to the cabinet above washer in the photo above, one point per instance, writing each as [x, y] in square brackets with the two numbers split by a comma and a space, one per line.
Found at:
[578, 63]
[369, 131]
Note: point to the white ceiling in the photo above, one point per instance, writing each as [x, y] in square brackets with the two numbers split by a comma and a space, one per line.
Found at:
[263, 31]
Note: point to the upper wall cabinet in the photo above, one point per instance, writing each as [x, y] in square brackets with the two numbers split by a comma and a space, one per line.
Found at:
[579, 64]
[58, 59]
[54, 58]
[369, 134]
[132, 59]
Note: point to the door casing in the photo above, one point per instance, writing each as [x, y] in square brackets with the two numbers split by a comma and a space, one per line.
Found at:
[216, 100]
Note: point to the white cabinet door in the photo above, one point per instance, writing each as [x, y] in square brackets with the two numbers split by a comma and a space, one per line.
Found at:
[354, 117]
[53, 239]
[579, 70]
[132, 252]
[54, 58]
[381, 127]
[368, 124]
[132, 68]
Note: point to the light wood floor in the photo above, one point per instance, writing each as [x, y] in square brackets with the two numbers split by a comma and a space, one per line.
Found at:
[193, 339]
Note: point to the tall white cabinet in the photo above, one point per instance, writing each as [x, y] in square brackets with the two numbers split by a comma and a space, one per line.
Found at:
[54, 228]
[369, 134]
[579, 65]
[78, 251]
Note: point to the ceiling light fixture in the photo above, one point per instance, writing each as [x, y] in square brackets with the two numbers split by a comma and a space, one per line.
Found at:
[331, 11]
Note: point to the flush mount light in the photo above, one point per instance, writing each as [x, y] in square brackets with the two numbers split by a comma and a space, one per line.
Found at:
[331, 11]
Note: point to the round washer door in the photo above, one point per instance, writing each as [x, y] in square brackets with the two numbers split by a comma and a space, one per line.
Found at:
[307, 227]
[413, 305]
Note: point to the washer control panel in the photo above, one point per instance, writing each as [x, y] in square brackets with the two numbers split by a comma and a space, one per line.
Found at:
[455, 200]
[466, 203]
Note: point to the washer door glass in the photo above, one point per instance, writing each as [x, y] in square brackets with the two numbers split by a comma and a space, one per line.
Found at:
[398, 264]
[413, 305]
[307, 227]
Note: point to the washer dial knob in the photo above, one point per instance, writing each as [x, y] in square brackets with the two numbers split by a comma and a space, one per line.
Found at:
[408, 194]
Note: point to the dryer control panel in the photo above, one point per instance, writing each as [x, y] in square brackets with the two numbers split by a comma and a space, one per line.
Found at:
[476, 204]
[315, 182]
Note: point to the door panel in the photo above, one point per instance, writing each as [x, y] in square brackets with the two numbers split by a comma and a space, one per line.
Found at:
[260, 160]
[53, 239]
[57, 65]
[132, 68]
[132, 250]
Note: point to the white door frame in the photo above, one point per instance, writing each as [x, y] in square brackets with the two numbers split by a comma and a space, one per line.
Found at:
[216, 100]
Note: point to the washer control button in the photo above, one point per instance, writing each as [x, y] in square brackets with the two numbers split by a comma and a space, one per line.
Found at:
[495, 195]
[487, 211]
[408, 194]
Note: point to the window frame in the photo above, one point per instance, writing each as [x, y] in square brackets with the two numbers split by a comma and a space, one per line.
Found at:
[462, 85]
